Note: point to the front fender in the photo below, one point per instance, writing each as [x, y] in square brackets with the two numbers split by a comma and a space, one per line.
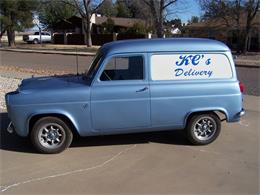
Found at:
[51, 112]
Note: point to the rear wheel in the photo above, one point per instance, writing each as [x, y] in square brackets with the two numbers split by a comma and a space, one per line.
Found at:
[203, 129]
[51, 135]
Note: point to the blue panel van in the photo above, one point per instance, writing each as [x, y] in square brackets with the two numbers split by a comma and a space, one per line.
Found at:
[132, 86]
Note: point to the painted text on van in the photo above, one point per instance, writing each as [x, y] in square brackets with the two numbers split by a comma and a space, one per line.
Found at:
[192, 72]
[194, 61]
[191, 59]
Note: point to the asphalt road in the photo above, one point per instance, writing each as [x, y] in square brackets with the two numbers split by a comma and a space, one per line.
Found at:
[67, 63]
[151, 163]
[251, 79]
[45, 61]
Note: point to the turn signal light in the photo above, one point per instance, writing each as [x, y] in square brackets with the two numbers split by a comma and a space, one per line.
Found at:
[242, 87]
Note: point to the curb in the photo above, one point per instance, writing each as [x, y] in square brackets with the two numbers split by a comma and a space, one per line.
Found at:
[247, 66]
[50, 52]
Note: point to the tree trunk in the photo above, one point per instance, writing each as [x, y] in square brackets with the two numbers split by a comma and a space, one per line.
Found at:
[87, 29]
[52, 38]
[249, 41]
[159, 29]
[89, 40]
[245, 49]
[240, 41]
[237, 14]
[11, 37]
[1, 35]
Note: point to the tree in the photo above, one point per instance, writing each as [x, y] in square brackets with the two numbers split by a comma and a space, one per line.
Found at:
[217, 9]
[86, 8]
[123, 9]
[52, 12]
[108, 26]
[176, 22]
[232, 12]
[15, 15]
[107, 9]
[251, 7]
[159, 8]
[138, 28]
[229, 12]
[139, 9]
[194, 19]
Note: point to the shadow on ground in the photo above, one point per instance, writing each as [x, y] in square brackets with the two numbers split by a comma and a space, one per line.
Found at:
[12, 142]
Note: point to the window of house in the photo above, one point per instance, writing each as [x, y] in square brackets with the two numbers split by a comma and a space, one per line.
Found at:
[123, 68]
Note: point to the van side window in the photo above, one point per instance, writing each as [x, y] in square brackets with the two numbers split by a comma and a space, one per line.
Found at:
[123, 68]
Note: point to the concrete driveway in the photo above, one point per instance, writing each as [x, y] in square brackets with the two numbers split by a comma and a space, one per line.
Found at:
[155, 163]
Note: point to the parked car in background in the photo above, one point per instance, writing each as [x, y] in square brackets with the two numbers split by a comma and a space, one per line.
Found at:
[35, 38]
[132, 86]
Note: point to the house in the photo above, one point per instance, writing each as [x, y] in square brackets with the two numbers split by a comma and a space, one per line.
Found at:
[175, 31]
[120, 24]
[71, 31]
[226, 31]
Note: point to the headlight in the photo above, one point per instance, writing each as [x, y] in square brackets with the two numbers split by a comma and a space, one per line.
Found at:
[13, 92]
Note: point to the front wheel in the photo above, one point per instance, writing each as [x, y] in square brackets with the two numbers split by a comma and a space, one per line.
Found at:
[203, 129]
[51, 135]
[36, 41]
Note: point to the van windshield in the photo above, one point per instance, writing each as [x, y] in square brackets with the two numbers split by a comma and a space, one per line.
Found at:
[93, 67]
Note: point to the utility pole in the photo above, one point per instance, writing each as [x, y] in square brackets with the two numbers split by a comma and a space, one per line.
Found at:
[37, 23]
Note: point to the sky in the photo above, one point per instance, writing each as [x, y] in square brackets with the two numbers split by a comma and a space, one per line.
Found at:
[185, 9]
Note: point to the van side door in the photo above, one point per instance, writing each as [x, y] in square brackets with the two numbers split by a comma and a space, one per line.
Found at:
[120, 94]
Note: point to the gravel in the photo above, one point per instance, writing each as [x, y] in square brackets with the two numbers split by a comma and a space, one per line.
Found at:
[7, 85]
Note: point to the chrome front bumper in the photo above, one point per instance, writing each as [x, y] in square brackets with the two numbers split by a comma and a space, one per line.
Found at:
[242, 113]
[10, 128]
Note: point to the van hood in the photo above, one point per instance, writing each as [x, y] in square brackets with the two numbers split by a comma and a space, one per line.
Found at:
[53, 83]
[53, 89]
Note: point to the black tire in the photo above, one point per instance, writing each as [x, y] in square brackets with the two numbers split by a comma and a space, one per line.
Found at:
[35, 41]
[197, 129]
[46, 141]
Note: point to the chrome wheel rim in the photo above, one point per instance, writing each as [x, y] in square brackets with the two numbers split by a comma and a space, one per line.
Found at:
[205, 128]
[51, 135]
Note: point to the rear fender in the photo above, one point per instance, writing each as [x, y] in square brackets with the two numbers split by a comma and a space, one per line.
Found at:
[206, 110]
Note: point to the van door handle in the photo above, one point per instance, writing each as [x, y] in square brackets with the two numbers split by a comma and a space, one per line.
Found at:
[141, 90]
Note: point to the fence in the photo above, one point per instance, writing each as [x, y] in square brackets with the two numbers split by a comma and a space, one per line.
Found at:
[75, 39]
[58, 38]
[123, 36]
[101, 39]
[97, 39]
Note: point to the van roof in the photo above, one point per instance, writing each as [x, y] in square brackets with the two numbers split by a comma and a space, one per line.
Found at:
[163, 45]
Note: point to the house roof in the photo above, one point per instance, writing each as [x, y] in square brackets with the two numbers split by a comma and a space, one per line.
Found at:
[163, 45]
[124, 22]
[76, 21]
[69, 23]
[221, 23]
